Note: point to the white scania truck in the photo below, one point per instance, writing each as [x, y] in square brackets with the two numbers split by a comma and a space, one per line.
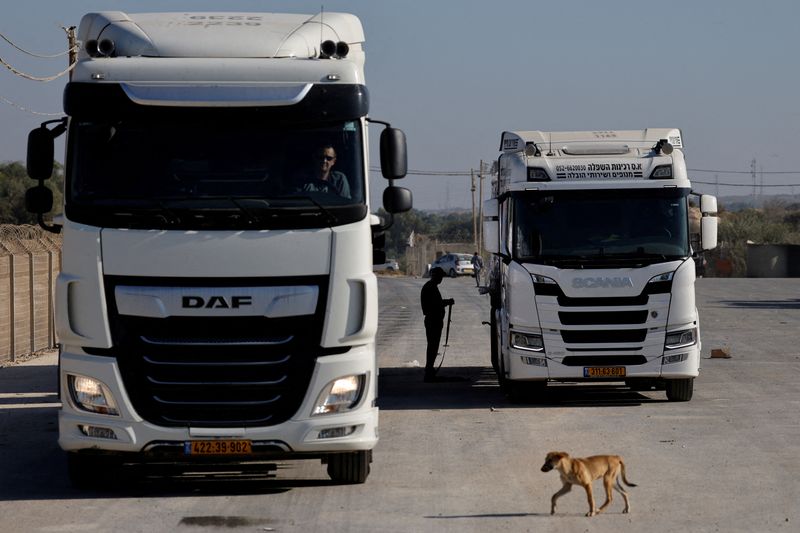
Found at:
[217, 300]
[593, 273]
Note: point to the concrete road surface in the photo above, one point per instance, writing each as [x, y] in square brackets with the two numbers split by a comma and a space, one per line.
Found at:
[458, 456]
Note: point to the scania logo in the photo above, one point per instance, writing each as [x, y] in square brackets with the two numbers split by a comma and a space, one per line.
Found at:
[597, 283]
[216, 302]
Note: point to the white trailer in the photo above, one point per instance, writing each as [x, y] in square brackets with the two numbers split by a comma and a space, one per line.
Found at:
[217, 300]
[593, 273]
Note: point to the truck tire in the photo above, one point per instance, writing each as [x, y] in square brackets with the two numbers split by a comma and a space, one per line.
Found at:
[679, 390]
[88, 471]
[349, 468]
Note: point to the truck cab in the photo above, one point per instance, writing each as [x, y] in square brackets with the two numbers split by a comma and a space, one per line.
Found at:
[217, 299]
[593, 272]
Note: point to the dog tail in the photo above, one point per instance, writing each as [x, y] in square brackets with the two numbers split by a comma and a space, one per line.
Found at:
[625, 479]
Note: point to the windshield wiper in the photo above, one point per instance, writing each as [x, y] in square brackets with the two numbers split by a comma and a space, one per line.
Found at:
[119, 206]
[330, 218]
[253, 219]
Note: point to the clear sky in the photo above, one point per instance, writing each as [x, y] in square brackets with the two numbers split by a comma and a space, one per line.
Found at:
[455, 73]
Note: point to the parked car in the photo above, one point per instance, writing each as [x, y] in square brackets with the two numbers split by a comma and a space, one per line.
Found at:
[454, 264]
[391, 265]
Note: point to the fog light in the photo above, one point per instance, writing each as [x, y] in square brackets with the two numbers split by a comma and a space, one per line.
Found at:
[334, 433]
[340, 395]
[535, 361]
[675, 358]
[91, 395]
[97, 432]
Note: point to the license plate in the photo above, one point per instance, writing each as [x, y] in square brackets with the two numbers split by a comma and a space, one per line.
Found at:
[604, 372]
[218, 447]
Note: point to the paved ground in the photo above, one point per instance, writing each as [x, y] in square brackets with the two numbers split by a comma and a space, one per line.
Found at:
[459, 457]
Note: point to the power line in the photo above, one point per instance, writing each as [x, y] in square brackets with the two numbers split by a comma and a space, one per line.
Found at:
[34, 54]
[466, 173]
[35, 78]
[746, 184]
[431, 172]
[748, 172]
[25, 109]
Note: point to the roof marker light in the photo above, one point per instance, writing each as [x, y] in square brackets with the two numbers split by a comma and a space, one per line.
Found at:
[106, 47]
[91, 48]
[327, 49]
[330, 49]
[532, 150]
[663, 146]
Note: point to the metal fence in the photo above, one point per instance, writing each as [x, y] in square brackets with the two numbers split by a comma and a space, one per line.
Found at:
[30, 260]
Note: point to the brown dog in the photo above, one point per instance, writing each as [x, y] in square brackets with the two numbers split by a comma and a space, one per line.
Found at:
[582, 472]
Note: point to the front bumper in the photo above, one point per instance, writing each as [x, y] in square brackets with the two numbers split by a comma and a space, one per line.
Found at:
[652, 368]
[299, 436]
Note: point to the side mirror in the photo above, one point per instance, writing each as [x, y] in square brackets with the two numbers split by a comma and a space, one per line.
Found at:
[39, 200]
[397, 199]
[709, 222]
[378, 257]
[40, 153]
[394, 156]
[491, 235]
[708, 204]
[708, 233]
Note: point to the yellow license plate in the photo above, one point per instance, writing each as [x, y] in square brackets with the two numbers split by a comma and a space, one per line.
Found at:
[218, 447]
[604, 372]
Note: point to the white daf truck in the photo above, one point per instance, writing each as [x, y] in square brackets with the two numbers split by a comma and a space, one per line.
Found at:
[593, 277]
[217, 300]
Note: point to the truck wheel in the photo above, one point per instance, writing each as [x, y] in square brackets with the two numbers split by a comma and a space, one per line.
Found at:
[91, 471]
[349, 468]
[679, 390]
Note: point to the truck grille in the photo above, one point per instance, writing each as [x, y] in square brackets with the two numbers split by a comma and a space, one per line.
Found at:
[606, 317]
[603, 336]
[606, 330]
[206, 371]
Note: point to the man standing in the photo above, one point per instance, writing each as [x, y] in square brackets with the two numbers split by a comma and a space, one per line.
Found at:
[477, 265]
[433, 308]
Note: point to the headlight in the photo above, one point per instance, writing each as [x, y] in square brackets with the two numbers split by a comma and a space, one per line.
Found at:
[538, 278]
[340, 395]
[667, 276]
[91, 395]
[680, 339]
[527, 341]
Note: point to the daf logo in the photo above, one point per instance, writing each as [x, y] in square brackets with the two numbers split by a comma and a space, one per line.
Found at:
[216, 302]
[597, 283]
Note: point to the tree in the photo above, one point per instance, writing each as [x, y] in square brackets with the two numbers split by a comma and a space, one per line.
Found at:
[14, 181]
[449, 227]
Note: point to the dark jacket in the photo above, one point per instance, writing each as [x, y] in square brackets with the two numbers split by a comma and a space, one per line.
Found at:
[431, 300]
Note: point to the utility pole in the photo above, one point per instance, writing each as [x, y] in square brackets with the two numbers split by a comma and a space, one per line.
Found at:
[474, 225]
[480, 209]
[753, 174]
[73, 48]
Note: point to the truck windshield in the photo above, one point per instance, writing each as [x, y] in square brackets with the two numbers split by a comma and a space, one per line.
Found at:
[586, 228]
[230, 172]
